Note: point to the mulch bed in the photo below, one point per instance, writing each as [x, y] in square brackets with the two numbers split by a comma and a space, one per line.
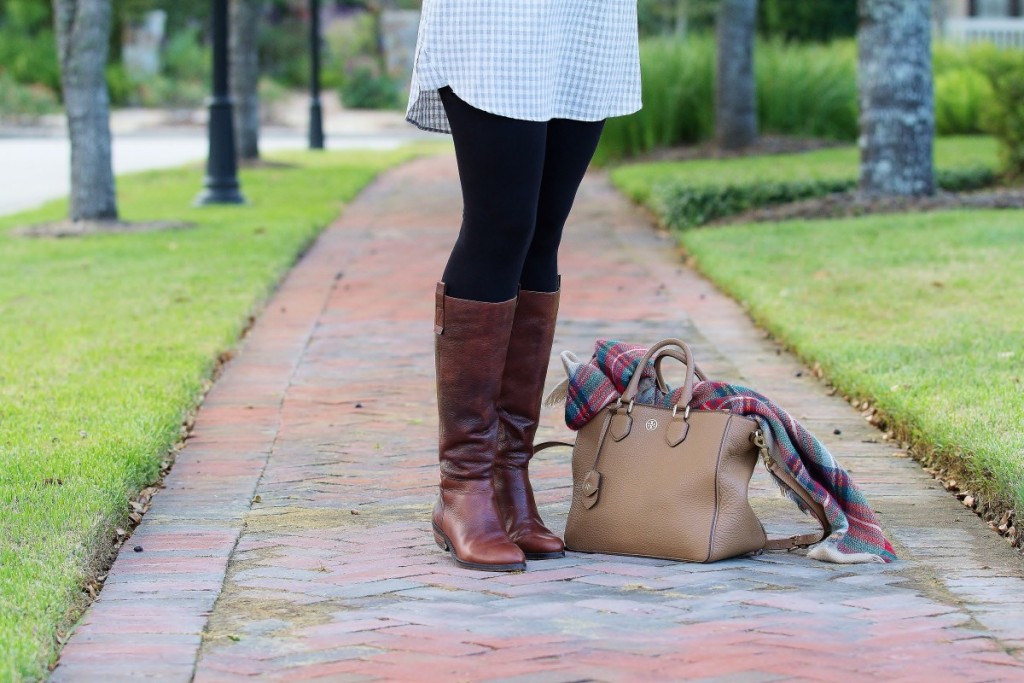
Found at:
[70, 228]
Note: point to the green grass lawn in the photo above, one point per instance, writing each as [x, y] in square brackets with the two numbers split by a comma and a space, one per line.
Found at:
[921, 313]
[640, 180]
[107, 341]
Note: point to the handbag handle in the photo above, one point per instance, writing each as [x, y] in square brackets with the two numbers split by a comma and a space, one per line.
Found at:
[629, 395]
[665, 353]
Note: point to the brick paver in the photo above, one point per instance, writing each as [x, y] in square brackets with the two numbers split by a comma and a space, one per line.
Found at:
[292, 541]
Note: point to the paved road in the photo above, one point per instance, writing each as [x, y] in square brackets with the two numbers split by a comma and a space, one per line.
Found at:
[327, 415]
[36, 169]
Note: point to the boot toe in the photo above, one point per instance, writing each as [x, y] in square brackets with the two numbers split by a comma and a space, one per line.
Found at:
[502, 556]
[541, 545]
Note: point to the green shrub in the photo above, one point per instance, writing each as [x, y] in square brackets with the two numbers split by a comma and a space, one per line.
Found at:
[965, 78]
[1004, 118]
[284, 51]
[960, 96]
[123, 90]
[802, 90]
[965, 179]
[807, 21]
[684, 206]
[365, 86]
[687, 206]
[26, 15]
[677, 91]
[350, 45]
[185, 58]
[663, 17]
[183, 80]
[29, 58]
[989, 59]
[808, 90]
[797, 20]
[19, 101]
[272, 94]
[160, 91]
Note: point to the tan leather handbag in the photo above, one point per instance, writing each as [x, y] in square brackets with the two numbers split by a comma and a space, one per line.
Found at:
[670, 482]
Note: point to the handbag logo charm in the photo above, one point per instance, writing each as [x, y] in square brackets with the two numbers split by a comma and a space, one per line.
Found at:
[652, 425]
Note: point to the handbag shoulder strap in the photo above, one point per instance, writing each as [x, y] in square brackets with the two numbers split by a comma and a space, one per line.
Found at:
[793, 486]
[551, 444]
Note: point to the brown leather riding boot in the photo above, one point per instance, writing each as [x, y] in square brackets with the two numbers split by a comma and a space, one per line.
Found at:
[522, 386]
[470, 343]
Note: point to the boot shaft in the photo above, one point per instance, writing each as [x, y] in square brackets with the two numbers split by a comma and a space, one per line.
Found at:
[526, 366]
[470, 346]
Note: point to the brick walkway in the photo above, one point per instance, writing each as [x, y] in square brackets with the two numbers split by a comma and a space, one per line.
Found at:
[292, 541]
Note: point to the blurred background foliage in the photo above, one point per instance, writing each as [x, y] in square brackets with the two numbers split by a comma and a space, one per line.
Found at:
[791, 20]
[805, 61]
[808, 90]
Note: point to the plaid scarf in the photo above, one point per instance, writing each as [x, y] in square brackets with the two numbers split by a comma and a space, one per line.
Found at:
[856, 534]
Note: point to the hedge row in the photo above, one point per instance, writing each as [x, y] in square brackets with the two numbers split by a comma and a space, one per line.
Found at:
[685, 206]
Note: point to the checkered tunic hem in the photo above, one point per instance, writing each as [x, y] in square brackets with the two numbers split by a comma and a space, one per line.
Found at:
[533, 60]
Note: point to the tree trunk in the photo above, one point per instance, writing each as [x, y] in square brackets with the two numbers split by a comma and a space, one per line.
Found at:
[897, 107]
[245, 75]
[735, 87]
[83, 34]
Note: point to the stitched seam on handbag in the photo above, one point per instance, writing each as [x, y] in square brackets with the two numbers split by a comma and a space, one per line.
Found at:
[718, 468]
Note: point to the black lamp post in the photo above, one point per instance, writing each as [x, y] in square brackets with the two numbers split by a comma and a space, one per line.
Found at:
[221, 183]
[316, 117]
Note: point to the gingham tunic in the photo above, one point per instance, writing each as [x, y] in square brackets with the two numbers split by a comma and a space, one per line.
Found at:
[527, 59]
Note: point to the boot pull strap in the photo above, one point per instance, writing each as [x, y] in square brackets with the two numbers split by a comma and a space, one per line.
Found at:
[439, 309]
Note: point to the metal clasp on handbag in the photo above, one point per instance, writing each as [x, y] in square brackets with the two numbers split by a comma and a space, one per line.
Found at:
[757, 438]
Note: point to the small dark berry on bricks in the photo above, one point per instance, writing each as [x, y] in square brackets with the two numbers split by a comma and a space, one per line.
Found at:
[359, 405]
[138, 548]
[837, 432]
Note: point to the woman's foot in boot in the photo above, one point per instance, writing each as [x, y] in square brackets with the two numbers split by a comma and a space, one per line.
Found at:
[471, 342]
[522, 386]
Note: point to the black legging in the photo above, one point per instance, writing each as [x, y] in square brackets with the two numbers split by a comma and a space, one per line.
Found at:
[519, 180]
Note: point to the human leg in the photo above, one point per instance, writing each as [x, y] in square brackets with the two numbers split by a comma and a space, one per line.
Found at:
[500, 162]
[570, 146]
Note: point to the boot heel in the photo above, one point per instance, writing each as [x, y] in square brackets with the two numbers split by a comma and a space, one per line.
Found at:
[439, 540]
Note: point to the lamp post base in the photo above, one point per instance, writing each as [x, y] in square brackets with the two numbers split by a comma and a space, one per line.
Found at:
[221, 184]
[316, 125]
[213, 194]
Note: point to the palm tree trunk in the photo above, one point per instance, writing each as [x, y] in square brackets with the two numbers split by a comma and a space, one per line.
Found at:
[897, 107]
[245, 75]
[735, 87]
[83, 32]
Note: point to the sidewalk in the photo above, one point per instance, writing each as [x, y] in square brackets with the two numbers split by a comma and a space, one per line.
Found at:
[36, 157]
[292, 541]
